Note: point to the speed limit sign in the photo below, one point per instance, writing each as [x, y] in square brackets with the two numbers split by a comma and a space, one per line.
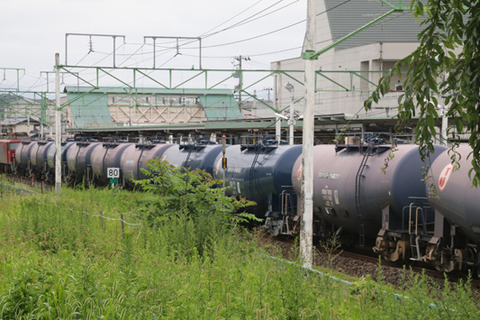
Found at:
[113, 172]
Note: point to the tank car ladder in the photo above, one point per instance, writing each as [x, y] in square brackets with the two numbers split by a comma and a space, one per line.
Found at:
[413, 226]
[358, 177]
[287, 209]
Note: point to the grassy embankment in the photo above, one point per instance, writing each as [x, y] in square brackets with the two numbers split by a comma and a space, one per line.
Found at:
[68, 256]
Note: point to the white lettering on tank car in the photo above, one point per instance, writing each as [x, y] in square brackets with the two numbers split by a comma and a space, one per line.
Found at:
[329, 175]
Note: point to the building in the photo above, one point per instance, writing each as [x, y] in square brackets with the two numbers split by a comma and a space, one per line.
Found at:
[115, 106]
[19, 127]
[349, 71]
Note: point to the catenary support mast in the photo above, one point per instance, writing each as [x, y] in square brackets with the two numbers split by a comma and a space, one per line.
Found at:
[306, 230]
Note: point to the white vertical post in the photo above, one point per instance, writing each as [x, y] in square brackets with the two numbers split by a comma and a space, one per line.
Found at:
[306, 226]
[444, 138]
[291, 122]
[58, 128]
[278, 120]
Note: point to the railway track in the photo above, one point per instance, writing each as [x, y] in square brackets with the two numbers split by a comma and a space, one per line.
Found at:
[363, 264]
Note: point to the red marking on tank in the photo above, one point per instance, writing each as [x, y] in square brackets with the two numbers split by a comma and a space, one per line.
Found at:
[444, 176]
[299, 173]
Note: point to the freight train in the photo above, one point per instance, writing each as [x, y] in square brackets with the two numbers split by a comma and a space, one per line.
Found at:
[403, 210]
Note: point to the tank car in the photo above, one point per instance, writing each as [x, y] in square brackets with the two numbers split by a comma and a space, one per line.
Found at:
[262, 173]
[22, 157]
[135, 158]
[352, 193]
[193, 156]
[106, 156]
[454, 244]
[51, 153]
[79, 162]
[38, 158]
[7, 154]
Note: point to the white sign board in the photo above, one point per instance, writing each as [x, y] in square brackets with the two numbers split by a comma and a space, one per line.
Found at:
[113, 172]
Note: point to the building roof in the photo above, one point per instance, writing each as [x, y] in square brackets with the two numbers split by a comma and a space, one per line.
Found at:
[346, 17]
[137, 90]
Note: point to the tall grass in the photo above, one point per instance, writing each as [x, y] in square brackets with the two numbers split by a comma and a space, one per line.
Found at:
[57, 262]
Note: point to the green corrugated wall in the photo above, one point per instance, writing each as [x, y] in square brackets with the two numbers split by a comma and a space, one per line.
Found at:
[220, 107]
[90, 111]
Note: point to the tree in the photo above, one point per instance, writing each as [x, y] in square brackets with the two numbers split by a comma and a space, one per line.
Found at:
[445, 66]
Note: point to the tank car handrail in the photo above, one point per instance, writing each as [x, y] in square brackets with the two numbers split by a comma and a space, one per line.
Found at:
[189, 147]
[144, 146]
[110, 144]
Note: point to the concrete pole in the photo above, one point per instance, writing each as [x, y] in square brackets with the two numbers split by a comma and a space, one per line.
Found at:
[291, 122]
[58, 129]
[278, 120]
[444, 137]
[306, 226]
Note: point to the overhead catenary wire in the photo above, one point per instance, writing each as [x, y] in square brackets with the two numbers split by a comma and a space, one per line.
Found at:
[251, 18]
[275, 30]
[230, 19]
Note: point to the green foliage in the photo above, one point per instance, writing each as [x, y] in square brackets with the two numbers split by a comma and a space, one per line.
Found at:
[192, 203]
[57, 262]
[446, 65]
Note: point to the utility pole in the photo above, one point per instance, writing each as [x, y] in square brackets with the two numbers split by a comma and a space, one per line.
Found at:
[291, 121]
[58, 128]
[306, 224]
[278, 120]
[240, 76]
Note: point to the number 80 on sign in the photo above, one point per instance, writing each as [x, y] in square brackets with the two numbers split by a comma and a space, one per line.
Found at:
[113, 172]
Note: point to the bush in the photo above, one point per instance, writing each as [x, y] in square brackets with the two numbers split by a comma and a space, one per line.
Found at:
[192, 204]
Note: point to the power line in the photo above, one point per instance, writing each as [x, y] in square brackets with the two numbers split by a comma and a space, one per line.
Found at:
[238, 14]
[276, 30]
[249, 19]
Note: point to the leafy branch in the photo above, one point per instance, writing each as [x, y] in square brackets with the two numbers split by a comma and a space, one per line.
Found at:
[443, 75]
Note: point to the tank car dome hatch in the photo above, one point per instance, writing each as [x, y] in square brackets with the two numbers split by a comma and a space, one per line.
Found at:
[450, 192]
[351, 190]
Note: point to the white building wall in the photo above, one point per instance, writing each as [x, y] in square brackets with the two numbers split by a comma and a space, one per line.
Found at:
[345, 91]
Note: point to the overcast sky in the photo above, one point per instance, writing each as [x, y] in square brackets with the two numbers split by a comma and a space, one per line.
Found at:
[32, 31]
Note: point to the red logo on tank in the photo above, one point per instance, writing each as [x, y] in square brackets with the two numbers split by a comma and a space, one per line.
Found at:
[444, 176]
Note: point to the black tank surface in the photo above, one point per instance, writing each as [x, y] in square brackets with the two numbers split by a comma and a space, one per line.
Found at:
[451, 192]
[193, 156]
[106, 156]
[258, 172]
[52, 151]
[135, 158]
[78, 159]
[350, 187]
[22, 155]
[38, 155]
